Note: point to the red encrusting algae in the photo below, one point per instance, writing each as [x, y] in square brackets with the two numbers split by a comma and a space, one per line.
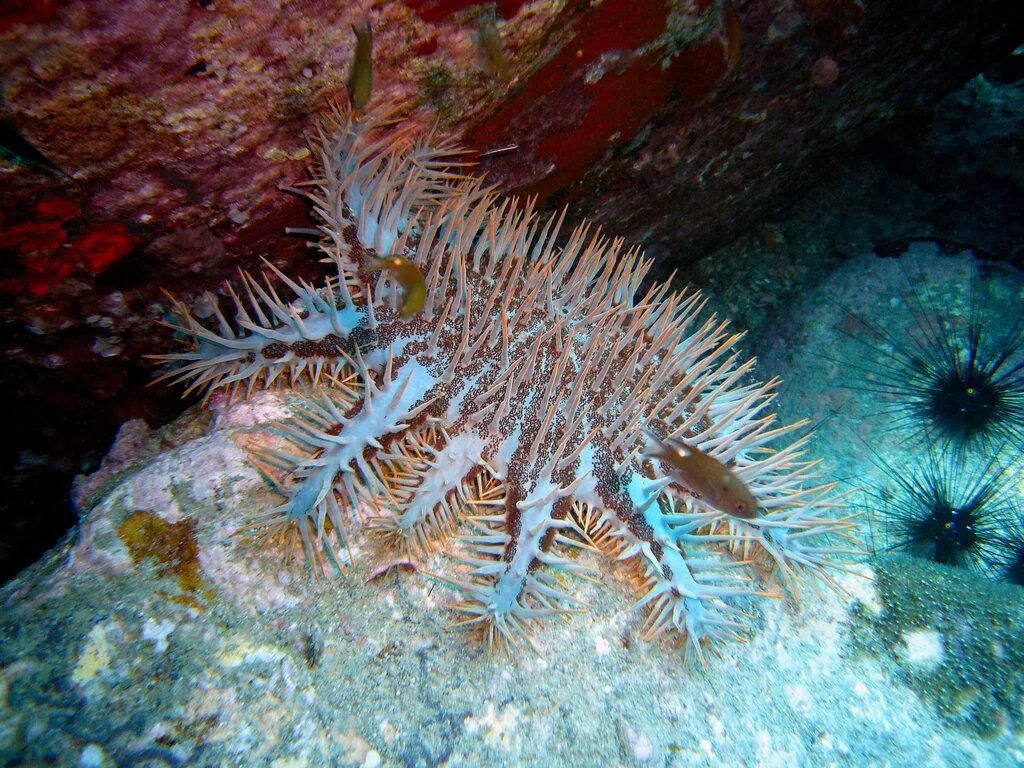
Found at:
[595, 94]
[49, 253]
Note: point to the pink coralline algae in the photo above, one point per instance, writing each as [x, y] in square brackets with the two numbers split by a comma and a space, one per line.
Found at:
[510, 420]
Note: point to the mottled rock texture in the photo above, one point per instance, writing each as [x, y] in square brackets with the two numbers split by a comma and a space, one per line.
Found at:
[174, 122]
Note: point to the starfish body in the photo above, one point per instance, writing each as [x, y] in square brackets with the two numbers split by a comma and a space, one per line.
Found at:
[510, 417]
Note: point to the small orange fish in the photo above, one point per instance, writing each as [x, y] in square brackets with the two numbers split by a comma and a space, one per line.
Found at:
[732, 33]
[708, 478]
[411, 278]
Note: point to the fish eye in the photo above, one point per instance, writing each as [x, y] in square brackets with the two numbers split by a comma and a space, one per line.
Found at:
[741, 507]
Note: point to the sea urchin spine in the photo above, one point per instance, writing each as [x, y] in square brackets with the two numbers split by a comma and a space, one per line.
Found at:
[958, 384]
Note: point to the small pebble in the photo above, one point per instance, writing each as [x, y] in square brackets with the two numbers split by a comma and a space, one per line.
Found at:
[637, 744]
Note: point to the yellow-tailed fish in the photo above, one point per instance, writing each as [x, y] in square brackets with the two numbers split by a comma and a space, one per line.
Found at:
[411, 279]
[732, 33]
[706, 477]
[360, 78]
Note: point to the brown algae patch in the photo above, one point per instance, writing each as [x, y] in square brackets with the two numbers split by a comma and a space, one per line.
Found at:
[173, 545]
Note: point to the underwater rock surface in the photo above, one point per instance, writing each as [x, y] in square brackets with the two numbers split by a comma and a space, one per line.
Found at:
[628, 95]
[153, 633]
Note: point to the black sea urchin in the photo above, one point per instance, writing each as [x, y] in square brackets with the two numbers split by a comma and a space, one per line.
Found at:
[947, 513]
[958, 381]
[1011, 565]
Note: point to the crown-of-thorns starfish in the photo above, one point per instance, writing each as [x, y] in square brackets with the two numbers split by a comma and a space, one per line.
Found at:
[508, 418]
